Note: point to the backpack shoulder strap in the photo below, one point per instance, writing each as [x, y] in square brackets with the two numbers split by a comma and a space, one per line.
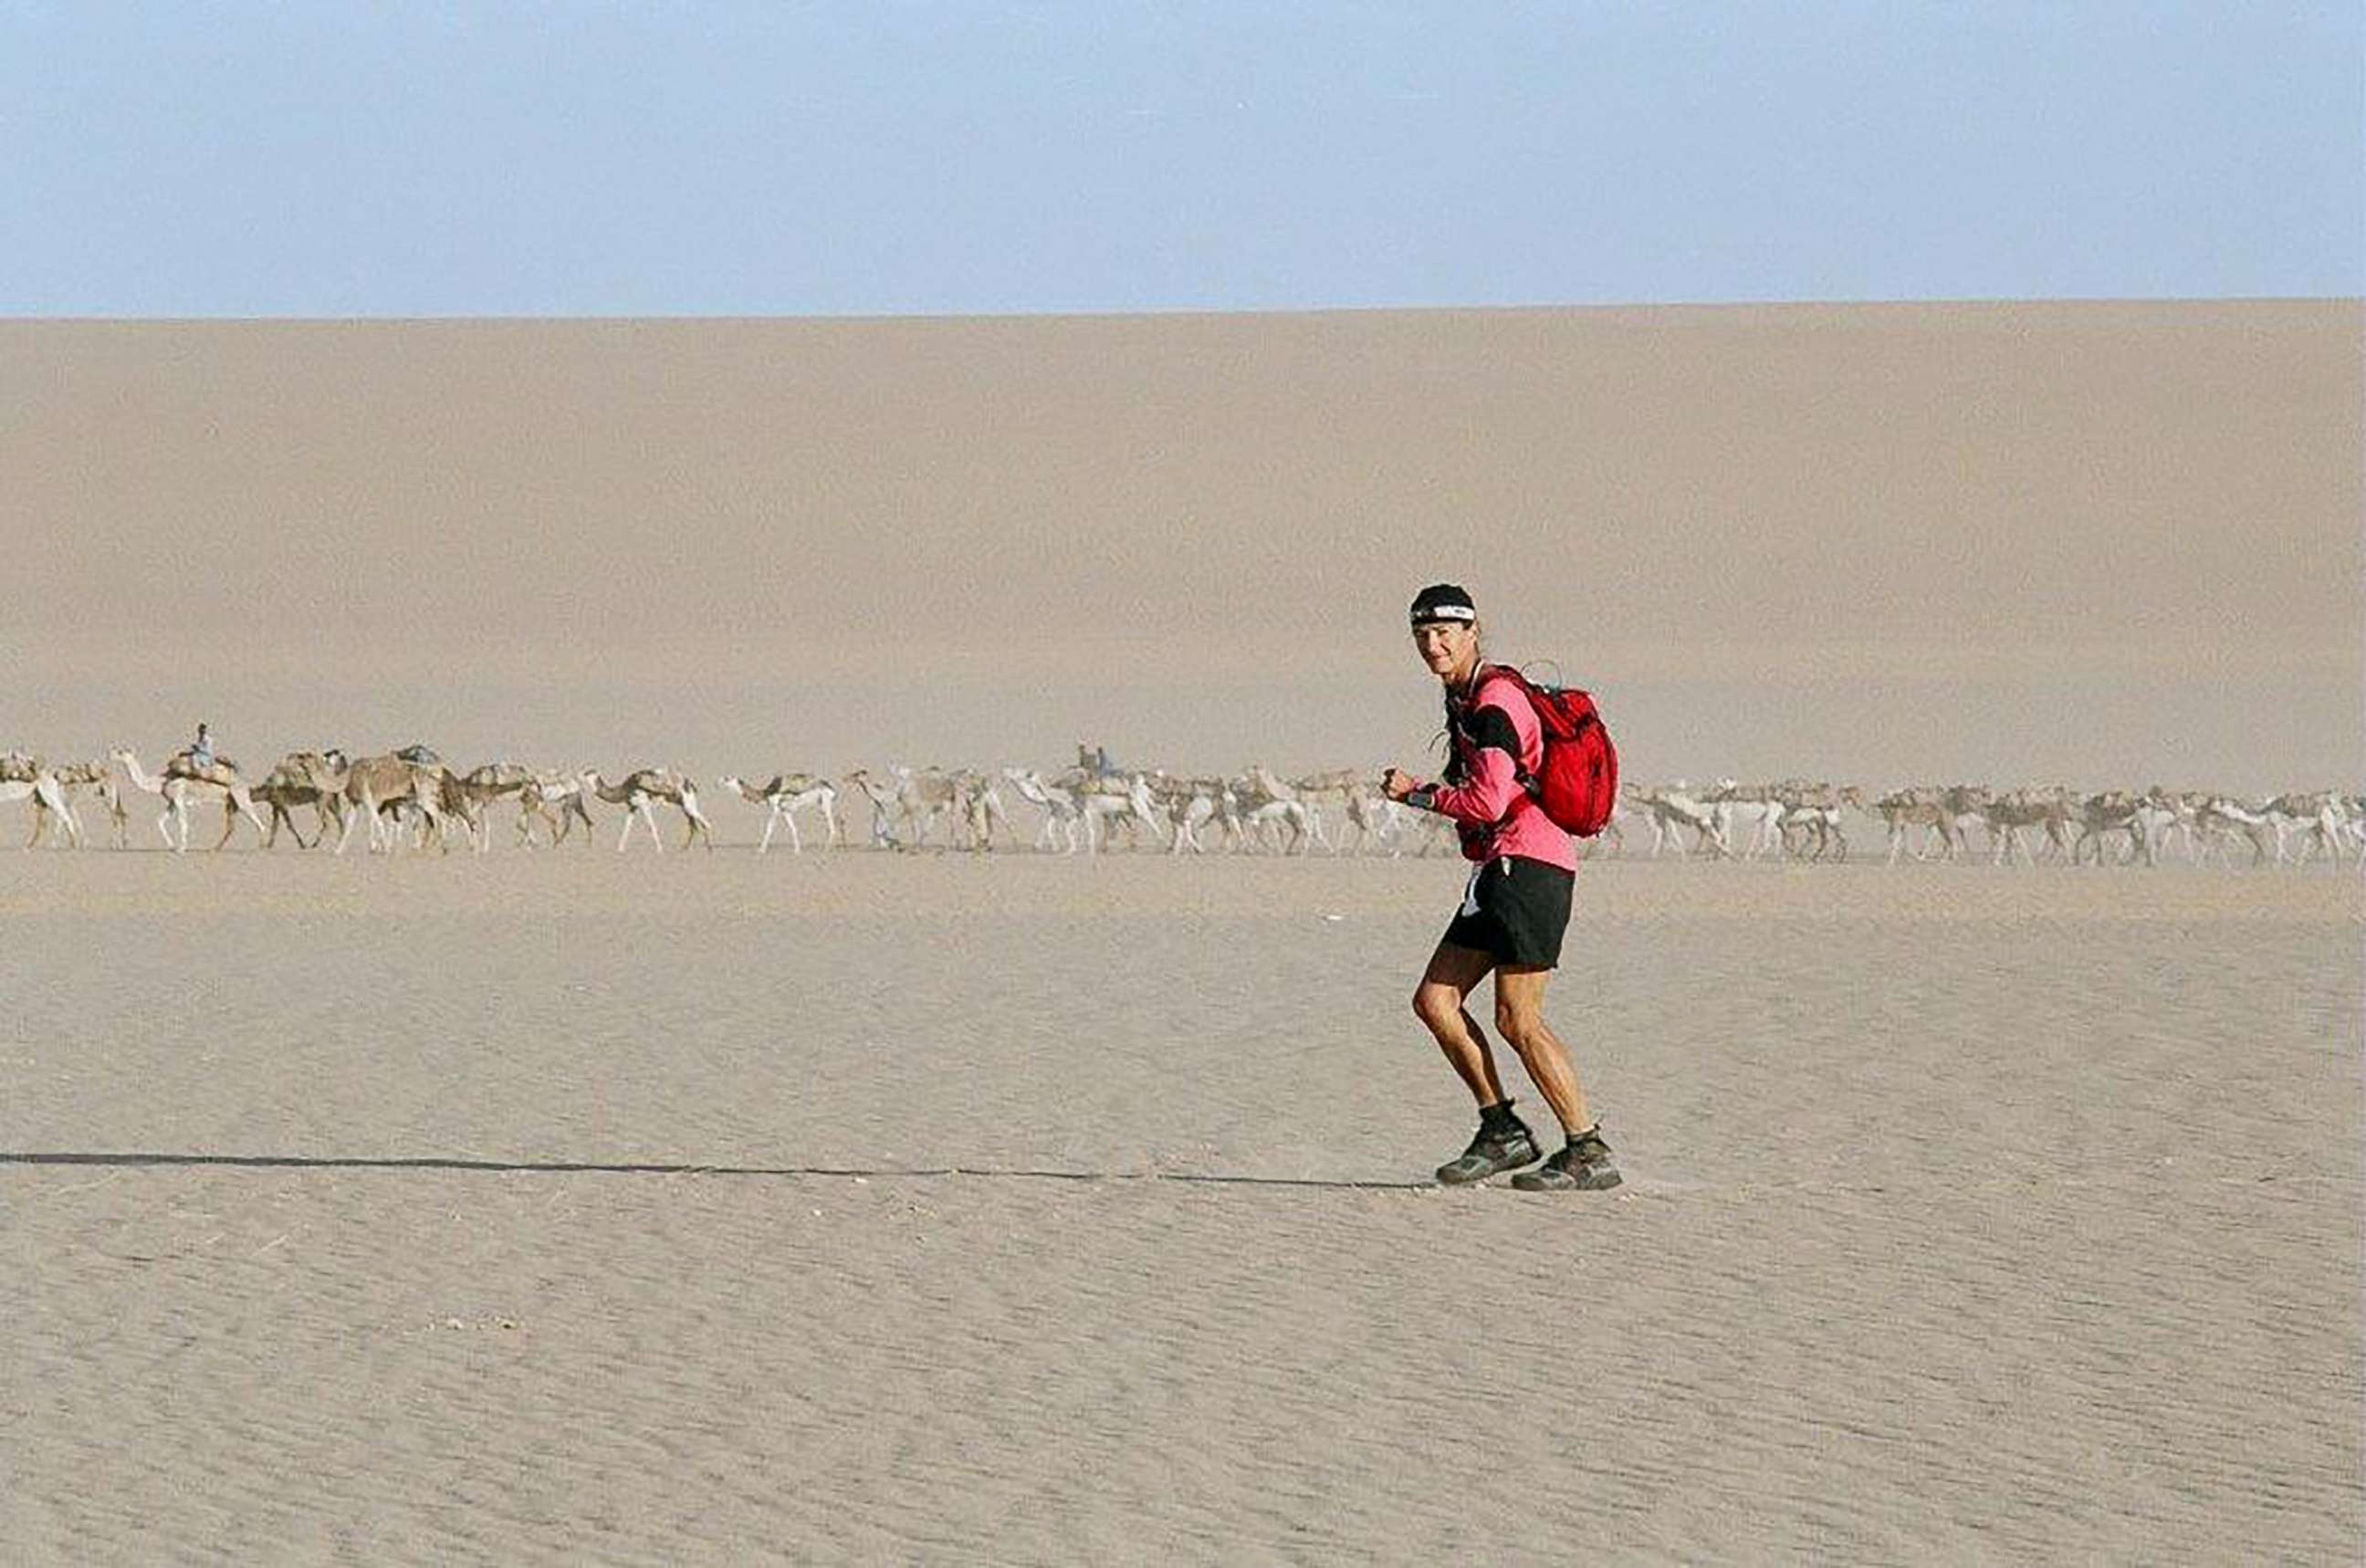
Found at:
[1490, 674]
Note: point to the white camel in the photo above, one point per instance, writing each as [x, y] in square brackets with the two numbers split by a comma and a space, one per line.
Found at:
[638, 792]
[1753, 807]
[1673, 807]
[178, 787]
[2319, 820]
[1265, 799]
[783, 798]
[34, 783]
[1110, 800]
[74, 778]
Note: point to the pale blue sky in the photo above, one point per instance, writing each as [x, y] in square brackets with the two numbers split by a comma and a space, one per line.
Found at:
[874, 157]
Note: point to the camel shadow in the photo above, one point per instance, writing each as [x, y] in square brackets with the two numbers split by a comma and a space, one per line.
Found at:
[133, 1160]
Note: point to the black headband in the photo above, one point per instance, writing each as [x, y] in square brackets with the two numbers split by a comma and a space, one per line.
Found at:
[1443, 602]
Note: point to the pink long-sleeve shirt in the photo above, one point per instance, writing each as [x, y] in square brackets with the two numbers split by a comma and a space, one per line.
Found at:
[1498, 741]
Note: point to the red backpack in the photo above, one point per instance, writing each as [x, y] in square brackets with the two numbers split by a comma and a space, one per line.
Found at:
[1576, 780]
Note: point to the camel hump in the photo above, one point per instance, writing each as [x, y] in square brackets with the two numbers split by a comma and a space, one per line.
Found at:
[220, 770]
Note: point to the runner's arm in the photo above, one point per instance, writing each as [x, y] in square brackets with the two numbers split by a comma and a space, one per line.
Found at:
[1494, 781]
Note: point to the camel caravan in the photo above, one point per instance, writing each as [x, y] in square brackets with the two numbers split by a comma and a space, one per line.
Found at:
[409, 800]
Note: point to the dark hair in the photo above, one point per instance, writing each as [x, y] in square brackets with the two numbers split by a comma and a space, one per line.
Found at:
[1443, 602]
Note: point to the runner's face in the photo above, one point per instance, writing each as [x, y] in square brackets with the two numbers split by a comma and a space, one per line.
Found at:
[1445, 646]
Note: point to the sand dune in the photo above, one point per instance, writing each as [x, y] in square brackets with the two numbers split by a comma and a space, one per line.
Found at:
[2090, 543]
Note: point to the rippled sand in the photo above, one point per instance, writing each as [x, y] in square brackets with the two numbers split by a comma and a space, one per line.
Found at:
[556, 1207]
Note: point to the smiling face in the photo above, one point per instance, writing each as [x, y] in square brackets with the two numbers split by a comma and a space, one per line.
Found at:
[1451, 648]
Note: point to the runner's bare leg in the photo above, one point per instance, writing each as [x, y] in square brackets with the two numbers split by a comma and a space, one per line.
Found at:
[1520, 1018]
[1453, 973]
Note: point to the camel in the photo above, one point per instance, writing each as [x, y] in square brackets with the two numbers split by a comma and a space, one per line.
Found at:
[467, 796]
[1062, 815]
[554, 799]
[2322, 820]
[1118, 799]
[2221, 818]
[463, 797]
[922, 797]
[2008, 814]
[46, 796]
[1672, 807]
[73, 777]
[1813, 813]
[2102, 814]
[1265, 799]
[28, 778]
[1317, 790]
[783, 798]
[1072, 809]
[1757, 807]
[316, 779]
[1942, 812]
[374, 783]
[1374, 819]
[639, 790]
[1189, 803]
[178, 786]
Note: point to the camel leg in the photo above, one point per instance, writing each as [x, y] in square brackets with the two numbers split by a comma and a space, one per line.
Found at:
[366, 811]
[796, 839]
[230, 822]
[771, 821]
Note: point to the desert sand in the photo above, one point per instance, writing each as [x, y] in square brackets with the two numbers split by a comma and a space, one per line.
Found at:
[863, 1206]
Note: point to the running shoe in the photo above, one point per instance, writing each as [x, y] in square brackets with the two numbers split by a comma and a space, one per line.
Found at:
[1490, 1154]
[1583, 1164]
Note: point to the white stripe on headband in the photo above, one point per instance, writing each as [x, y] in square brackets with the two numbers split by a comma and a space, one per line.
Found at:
[1444, 613]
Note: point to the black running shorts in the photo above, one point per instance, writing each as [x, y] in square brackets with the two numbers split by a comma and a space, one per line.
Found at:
[1522, 911]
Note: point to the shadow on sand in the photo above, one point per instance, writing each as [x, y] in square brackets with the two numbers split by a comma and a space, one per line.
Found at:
[602, 1168]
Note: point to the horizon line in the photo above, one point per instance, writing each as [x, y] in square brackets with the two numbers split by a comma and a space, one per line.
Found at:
[1179, 312]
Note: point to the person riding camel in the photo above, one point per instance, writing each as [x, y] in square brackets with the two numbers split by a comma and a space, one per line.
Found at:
[197, 759]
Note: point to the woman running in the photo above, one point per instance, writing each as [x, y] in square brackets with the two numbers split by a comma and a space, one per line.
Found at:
[1514, 910]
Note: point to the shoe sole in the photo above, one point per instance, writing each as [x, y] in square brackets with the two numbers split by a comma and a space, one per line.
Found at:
[1448, 1176]
[1601, 1179]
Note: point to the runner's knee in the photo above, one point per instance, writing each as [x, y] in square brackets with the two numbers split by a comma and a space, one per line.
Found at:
[1436, 1006]
[1520, 1026]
